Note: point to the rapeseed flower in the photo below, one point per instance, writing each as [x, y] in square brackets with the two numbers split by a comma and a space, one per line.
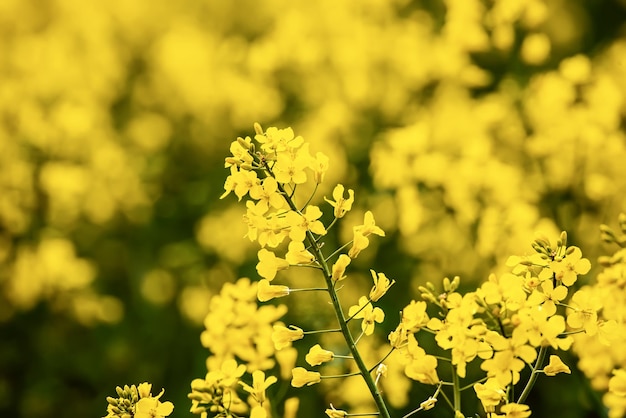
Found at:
[283, 336]
[317, 355]
[269, 264]
[370, 315]
[556, 366]
[341, 205]
[302, 377]
[381, 285]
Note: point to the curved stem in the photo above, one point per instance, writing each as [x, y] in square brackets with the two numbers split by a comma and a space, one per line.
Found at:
[533, 375]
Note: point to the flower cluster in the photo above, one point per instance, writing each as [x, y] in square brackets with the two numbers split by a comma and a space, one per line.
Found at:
[508, 324]
[238, 331]
[271, 170]
[138, 402]
[601, 353]
[510, 329]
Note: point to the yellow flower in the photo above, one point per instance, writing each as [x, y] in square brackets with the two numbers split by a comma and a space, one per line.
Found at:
[276, 139]
[290, 165]
[267, 194]
[369, 314]
[335, 413]
[341, 205]
[381, 285]
[144, 390]
[283, 337]
[317, 355]
[153, 408]
[422, 367]
[259, 385]
[515, 410]
[267, 291]
[339, 268]
[299, 224]
[556, 366]
[548, 296]
[269, 264]
[302, 376]
[490, 394]
[297, 254]
[361, 232]
[569, 267]
[414, 316]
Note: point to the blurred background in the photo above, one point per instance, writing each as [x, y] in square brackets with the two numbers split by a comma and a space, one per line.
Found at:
[464, 125]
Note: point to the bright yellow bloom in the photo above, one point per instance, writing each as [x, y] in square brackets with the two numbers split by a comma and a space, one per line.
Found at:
[290, 165]
[422, 367]
[369, 314]
[398, 337]
[341, 204]
[240, 151]
[547, 296]
[339, 268]
[505, 366]
[317, 355]
[267, 194]
[506, 290]
[277, 140]
[568, 268]
[259, 385]
[283, 337]
[335, 413]
[297, 254]
[299, 224]
[144, 390]
[302, 376]
[269, 264]
[491, 393]
[153, 408]
[241, 182]
[361, 232]
[556, 366]
[267, 291]
[414, 316]
[381, 285]
[515, 410]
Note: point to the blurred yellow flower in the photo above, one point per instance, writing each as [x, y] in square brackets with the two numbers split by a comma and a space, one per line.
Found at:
[283, 336]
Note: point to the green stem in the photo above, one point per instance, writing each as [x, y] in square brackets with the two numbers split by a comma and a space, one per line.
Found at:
[345, 330]
[533, 375]
[457, 389]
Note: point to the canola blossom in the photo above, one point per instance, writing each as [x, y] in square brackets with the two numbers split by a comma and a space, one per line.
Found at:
[400, 203]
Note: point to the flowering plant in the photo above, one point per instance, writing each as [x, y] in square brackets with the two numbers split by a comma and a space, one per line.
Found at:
[510, 330]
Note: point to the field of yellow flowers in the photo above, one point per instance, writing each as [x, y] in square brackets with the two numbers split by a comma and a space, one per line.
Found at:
[178, 179]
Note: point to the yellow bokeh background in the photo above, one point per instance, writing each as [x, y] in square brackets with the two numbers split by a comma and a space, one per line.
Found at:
[465, 125]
